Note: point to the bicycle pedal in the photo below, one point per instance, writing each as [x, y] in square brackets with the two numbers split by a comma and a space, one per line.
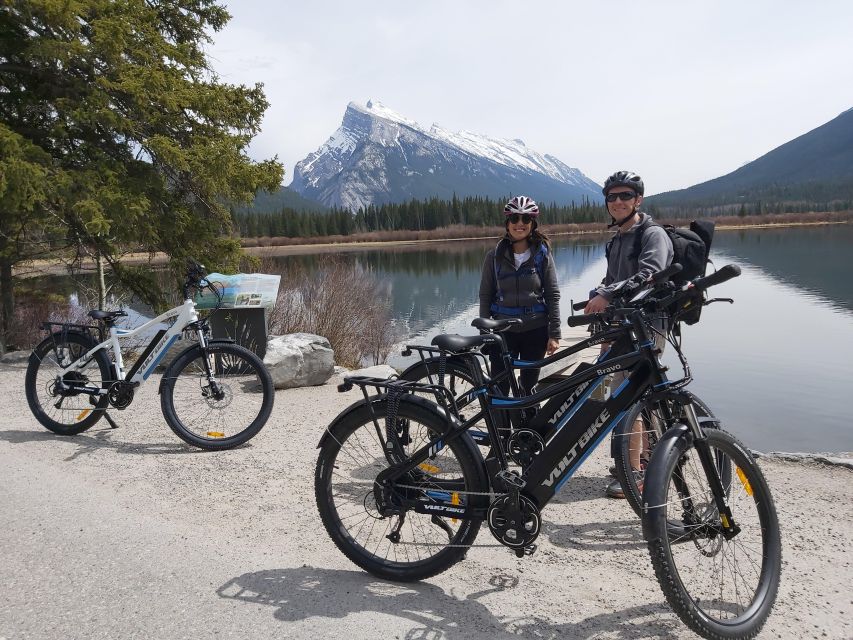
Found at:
[511, 479]
[529, 550]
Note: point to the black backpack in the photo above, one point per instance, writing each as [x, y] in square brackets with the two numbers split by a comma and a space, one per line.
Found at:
[690, 249]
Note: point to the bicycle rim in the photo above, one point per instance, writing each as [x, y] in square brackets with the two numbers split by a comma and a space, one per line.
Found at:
[347, 471]
[69, 413]
[220, 412]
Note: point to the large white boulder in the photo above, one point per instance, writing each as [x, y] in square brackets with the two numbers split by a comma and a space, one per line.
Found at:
[299, 360]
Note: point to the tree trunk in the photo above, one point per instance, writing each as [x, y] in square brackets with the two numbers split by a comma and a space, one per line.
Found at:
[7, 303]
[102, 288]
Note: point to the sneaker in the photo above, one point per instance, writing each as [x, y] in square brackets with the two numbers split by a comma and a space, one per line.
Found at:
[614, 489]
[612, 470]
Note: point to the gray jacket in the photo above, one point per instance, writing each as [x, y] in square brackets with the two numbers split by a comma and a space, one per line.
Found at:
[655, 254]
[521, 289]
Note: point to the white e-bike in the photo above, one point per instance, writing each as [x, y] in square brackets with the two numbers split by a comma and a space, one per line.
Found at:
[215, 394]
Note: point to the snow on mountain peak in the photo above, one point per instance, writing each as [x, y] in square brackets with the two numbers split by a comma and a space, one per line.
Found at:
[379, 110]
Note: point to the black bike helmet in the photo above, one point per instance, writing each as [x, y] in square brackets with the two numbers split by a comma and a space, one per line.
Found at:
[624, 179]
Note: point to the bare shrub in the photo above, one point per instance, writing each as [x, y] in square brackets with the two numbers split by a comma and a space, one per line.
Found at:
[32, 310]
[341, 302]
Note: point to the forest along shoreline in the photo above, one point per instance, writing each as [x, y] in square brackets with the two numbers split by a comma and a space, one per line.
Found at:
[269, 247]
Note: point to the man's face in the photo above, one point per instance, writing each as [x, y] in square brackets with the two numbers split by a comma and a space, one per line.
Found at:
[620, 208]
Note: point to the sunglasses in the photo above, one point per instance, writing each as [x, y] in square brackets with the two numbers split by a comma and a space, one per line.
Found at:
[515, 217]
[622, 195]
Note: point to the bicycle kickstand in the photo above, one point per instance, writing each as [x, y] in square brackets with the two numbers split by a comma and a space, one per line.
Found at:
[109, 419]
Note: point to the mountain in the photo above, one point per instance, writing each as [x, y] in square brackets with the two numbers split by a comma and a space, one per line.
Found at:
[815, 167]
[284, 198]
[379, 156]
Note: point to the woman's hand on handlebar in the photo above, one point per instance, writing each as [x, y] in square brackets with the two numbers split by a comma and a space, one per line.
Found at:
[596, 305]
[552, 346]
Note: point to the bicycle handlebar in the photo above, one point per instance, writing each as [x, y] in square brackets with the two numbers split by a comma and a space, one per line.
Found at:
[725, 273]
[661, 277]
[629, 286]
[584, 318]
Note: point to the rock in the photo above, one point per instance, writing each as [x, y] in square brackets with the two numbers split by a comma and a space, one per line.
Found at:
[299, 360]
[376, 371]
[15, 357]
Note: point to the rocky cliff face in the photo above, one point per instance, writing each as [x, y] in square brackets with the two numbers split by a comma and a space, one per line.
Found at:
[379, 156]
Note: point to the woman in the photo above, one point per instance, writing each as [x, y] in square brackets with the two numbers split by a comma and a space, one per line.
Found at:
[519, 281]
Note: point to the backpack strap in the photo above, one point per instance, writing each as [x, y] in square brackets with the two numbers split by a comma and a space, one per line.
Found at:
[637, 247]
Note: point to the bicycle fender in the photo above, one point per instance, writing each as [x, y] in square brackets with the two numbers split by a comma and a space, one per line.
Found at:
[673, 443]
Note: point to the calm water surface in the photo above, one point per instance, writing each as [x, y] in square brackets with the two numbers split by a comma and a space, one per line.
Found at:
[776, 366]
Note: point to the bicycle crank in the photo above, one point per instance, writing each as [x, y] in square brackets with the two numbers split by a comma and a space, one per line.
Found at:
[515, 522]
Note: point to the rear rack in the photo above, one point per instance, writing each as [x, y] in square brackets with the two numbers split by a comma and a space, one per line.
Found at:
[394, 389]
[65, 327]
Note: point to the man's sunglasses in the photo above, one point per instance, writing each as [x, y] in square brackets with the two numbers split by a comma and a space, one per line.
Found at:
[515, 217]
[622, 195]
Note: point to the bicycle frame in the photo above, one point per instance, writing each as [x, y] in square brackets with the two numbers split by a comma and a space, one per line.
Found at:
[162, 341]
[576, 431]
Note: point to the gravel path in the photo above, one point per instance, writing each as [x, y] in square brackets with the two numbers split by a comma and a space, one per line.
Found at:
[129, 533]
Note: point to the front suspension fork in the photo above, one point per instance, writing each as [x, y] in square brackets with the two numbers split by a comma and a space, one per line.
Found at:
[729, 527]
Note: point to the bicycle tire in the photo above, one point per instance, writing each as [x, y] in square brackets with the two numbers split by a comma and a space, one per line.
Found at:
[744, 569]
[247, 392]
[353, 453]
[71, 414]
[622, 446]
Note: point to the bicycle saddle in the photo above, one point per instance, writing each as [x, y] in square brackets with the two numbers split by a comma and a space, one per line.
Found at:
[97, 314]
[456, 343]
[487, 324]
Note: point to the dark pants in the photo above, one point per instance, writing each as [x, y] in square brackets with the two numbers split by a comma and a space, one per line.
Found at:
[527, 345]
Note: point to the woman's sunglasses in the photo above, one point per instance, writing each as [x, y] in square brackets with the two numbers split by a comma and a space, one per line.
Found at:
[622, 195]
[515, 217]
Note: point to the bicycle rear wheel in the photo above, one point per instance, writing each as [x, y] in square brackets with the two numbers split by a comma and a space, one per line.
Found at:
[720, 588]
[408, 545]
[59, 402]
[223, 411]
[652, 429]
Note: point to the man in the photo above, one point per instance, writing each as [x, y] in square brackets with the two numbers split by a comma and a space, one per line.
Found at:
[623, 195]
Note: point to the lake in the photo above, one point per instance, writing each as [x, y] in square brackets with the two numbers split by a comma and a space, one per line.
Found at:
[776, 366]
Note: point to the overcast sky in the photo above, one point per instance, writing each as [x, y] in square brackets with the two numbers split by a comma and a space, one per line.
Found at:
[678, 91]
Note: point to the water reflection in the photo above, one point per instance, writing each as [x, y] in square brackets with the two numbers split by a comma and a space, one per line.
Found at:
[815, 259]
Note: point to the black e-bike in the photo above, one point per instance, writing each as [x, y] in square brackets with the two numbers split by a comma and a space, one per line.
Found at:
[403, 490]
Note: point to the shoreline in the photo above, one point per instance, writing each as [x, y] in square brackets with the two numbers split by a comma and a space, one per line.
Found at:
[42, 267]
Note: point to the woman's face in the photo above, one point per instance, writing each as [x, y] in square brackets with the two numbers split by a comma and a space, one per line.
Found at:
[519, 230]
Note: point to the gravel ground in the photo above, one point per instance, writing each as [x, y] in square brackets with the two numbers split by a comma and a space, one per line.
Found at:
[129, 533]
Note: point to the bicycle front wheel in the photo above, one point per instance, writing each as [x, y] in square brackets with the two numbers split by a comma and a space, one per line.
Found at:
[407, 545]
[71, 403]
[631, 442]
[221, 410]
[720, 588]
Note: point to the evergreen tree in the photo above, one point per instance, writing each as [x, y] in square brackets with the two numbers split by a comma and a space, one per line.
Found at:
[138, 143]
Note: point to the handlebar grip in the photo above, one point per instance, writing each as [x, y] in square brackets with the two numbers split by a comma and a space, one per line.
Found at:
[579, 306]
[585, 318]
[726, 273]
[667, 273]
